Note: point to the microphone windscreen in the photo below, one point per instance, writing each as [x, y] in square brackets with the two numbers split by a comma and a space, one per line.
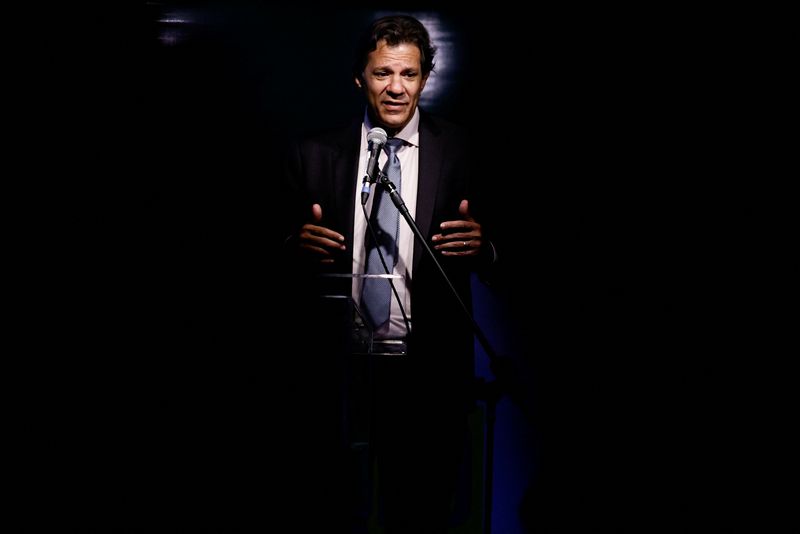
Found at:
[377, 135]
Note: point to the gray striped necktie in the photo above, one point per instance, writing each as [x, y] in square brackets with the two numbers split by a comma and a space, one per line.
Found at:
[376, 294]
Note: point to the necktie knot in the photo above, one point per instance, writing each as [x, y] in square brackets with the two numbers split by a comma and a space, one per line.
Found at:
[393, 145]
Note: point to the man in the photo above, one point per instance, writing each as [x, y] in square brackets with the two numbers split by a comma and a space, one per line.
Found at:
[424, 348]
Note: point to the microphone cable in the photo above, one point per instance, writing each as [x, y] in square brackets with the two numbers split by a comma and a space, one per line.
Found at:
[386, 268]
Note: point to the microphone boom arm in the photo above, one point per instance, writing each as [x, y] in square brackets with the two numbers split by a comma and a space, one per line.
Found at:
[500, 370]
[403, 209]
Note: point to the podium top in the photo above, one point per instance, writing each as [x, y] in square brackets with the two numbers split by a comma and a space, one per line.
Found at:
[346, 275]
[341, 284]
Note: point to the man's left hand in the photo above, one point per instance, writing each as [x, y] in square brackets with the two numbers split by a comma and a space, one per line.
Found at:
[461, 237]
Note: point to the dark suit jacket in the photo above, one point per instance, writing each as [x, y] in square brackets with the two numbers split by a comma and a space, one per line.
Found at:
[322, 169]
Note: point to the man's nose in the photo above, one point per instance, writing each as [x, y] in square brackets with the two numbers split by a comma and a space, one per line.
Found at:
[395, 85]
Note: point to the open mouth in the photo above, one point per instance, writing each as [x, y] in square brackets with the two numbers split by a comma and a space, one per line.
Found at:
[394, 106]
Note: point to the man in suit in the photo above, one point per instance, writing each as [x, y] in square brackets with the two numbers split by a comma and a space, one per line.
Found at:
[423, 369]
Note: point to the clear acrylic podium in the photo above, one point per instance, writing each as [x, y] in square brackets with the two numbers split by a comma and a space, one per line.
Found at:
[345, 322]
[349, 339]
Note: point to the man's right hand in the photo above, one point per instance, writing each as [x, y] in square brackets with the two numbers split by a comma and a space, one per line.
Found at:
[319, 241]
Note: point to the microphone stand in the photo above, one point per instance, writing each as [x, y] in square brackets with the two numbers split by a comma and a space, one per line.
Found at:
[491, 392]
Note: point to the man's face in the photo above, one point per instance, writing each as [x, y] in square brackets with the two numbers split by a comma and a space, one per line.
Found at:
[394, 81]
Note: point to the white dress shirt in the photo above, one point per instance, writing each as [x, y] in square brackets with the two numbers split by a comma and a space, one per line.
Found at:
[408, 155]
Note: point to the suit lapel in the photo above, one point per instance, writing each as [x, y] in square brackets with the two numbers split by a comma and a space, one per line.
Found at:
[430, 164]
[345, 166]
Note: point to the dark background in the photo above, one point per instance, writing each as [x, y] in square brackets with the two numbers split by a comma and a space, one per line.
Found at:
[634, 271]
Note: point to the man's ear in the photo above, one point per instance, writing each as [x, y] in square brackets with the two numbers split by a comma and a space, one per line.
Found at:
[424, 81]
[358, 81]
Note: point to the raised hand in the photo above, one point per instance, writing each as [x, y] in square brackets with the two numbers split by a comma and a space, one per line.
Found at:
[317, 240]
[462, 237]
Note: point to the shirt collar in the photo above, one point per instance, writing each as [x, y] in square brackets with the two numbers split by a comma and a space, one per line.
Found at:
[409, 134]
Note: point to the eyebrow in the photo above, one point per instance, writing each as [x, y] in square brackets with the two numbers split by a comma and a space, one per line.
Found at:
[388, 68]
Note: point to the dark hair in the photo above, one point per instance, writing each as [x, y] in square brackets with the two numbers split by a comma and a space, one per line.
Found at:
[395, 29]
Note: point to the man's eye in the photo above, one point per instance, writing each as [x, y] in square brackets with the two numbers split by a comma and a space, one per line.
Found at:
[380, 74]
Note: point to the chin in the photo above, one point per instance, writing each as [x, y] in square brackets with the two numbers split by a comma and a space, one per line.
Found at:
[394, 121]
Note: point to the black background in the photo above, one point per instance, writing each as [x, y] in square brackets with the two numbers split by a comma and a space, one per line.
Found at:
[660, 397]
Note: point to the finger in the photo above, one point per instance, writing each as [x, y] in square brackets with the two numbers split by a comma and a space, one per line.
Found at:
[325, 242]
[315, 249]
[469, 252]
[308, 239]
[316, 213]
[458, 230]
[456, 236]
[312, 230]
[463, 210]
[460, 244]
[470, 225]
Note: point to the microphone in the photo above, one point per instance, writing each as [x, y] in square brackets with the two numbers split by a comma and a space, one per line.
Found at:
[376, 138]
